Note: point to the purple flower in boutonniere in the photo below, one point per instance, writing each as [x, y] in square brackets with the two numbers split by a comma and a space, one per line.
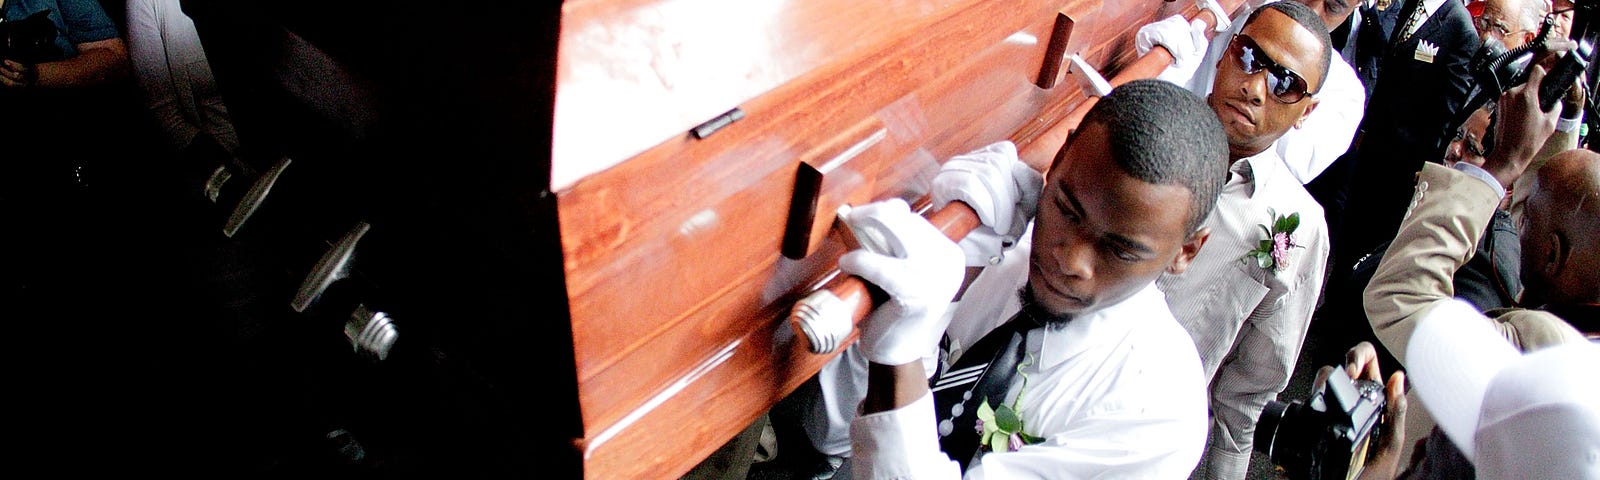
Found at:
[1272, 253]
[1280, 248]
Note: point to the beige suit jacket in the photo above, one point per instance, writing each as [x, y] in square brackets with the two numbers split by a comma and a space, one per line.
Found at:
[1448, 214]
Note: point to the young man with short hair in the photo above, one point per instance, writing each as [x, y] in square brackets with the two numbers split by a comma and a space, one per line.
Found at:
[1106, 382]
[1248, 297]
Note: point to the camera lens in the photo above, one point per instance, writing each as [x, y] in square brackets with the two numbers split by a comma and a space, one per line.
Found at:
[1267, 425]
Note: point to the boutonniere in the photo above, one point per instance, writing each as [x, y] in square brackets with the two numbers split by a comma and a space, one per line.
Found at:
[1000, 429]
[1273, 252]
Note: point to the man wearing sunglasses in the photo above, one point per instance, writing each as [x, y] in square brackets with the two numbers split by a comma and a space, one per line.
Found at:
[1323, 136]
[1248, 314]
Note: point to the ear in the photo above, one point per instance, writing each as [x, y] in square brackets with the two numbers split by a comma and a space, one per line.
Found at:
[1311, 104]
[1190, 248]
[1560, 251]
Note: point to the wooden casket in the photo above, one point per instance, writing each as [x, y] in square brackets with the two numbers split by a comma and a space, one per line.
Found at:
[701, 149]
[587, 223]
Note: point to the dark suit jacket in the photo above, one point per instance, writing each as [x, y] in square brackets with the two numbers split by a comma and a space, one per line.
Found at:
[1404, 126]
[1366, 50]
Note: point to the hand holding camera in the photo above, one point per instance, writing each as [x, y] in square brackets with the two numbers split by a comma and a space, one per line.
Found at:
[1522, 129]
[24, 43]
[18, 75]
[1497, 70]
[1362, 362]
[1351, 427]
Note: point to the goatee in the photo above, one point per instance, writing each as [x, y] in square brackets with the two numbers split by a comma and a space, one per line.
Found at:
[1036, 312]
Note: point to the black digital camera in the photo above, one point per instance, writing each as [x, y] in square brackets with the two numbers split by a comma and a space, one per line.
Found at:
[1496, 69]
[1326, 437]
[30, 40]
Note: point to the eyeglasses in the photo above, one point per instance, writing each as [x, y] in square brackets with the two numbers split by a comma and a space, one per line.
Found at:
[1489, 25]
[1286, 86]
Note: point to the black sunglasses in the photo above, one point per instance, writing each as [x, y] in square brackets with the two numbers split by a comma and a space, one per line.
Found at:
[1286, 86]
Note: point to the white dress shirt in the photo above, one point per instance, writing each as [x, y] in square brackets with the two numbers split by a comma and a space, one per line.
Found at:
[1306, 150]
[171, 67]
[1115, 394]
[1248, 324]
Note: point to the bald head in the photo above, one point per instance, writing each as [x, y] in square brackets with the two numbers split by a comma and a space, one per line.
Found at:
[1561, 231]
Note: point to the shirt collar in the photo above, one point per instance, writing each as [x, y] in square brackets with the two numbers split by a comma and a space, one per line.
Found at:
[1062, 341]
[1429, 7]
[1256, 170]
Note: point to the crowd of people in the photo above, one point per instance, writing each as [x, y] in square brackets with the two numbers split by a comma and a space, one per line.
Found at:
[1316, 168]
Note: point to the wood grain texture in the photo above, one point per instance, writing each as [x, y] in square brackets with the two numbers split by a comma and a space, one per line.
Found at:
[677, 288]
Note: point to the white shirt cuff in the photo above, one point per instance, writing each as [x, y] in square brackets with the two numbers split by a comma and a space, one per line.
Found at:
[1479, 173]
[1569, 124]
[1221, 463]
[900, 443]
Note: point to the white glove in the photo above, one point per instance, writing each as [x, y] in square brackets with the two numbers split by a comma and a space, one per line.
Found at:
[1186, 40]
[921, 273]
[1000, 188]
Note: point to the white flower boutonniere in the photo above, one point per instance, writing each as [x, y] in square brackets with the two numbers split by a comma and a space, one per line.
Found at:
[1000, 429]
[1273, 252]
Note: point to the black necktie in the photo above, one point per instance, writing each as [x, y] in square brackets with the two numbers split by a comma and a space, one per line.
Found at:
[983, 372]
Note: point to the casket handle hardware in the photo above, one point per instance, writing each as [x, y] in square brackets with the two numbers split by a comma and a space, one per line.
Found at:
[827, 317]
[370, 332]
[252, 199]
[333, 265]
